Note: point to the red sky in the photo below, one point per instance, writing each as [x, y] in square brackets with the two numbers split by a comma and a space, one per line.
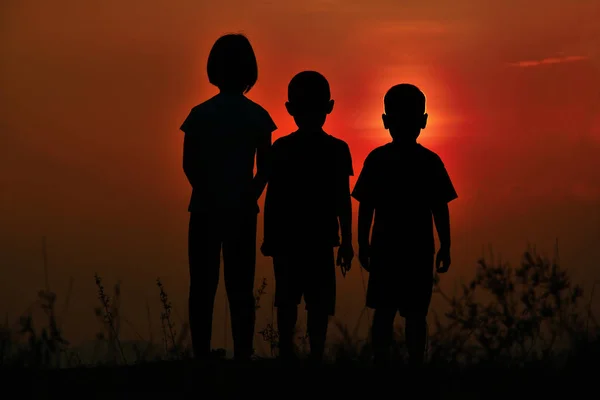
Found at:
[93, 95]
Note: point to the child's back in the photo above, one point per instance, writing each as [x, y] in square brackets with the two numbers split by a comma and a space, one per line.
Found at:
[304, 186]
[405, 187]
[403, 183]
[222, 137]
[306, 207]
[225, 132]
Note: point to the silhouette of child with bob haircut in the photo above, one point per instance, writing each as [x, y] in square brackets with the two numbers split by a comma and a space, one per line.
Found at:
[307, 204]
[222, 137]
[403, 184]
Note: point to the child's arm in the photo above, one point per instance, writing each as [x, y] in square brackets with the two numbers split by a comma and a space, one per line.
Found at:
[345, 210]
[271, 201]
[263, 147]
[365, 193]
[262, 165]
[365, 220]
[441, 216]
[189, 167]
[267, 245]
[444, 193]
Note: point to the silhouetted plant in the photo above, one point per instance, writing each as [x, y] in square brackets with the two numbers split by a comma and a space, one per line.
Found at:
[524, 314]
[532, 314]
[109, 314]
[173, 342]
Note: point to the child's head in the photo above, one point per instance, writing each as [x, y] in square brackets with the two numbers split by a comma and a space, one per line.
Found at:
[309, 100]
[232, 64]
[404, 112]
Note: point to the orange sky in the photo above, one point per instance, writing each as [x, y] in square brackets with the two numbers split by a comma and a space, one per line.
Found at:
[93, 95]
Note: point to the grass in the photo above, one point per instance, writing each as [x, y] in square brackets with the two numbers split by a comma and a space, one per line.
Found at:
[529, 326]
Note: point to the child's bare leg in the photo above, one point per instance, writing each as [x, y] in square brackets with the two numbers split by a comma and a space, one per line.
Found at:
[286, 324]
[416, 338]
[317, 323]
[382, 333]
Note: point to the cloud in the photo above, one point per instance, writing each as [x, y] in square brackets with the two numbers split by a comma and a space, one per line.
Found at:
[547, 61]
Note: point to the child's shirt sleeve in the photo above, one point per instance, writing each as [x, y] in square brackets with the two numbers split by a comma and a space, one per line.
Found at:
[443, 189]
[344, 162]
[271, 213]
[264, 127]
[191, 122]
[267, 123]
[365, 187]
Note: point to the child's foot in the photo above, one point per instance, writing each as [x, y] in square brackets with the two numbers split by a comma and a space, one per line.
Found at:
[212, 355]
[243, 357]
[315, 360]
[382, 359]
[288, 358]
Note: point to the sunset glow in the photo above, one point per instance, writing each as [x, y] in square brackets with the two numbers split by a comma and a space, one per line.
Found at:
[93, 95]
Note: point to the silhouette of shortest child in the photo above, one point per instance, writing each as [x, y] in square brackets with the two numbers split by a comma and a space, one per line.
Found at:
[307, 204]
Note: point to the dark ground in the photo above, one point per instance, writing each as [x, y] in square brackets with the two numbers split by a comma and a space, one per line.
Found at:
[270, 379]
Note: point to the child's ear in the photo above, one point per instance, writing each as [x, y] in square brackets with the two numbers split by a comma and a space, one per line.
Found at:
[424, 121]
[385, 121]
[329, 108]
[289, 108]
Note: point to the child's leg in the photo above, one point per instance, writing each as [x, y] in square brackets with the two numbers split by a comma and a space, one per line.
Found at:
[416, 338]
[204, 252]
[287, 298]
[239, 262]
[382, 332]
[287, 315]
[319, 294]
[317, 323]
[415, 306]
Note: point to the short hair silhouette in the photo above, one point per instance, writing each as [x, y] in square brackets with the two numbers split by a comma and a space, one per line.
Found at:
[232, 63]
[404, 99]
[309, 91]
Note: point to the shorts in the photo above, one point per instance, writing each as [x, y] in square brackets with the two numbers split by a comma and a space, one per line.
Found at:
[308, 273]
[406, 285]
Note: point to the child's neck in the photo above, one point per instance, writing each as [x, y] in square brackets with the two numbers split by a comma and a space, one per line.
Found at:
[405, 143]
[311, 130]
[231, 92]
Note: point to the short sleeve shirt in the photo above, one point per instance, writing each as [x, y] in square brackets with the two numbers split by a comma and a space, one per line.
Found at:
[403, 184]
[225, 132]
[307, 179]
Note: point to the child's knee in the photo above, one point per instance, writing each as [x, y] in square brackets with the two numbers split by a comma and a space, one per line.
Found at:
[287, 308]
[416, 322]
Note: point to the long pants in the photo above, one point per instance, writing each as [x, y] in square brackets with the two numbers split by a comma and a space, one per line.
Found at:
[209, 233]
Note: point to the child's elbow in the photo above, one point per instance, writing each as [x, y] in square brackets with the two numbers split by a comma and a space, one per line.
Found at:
[439, 210]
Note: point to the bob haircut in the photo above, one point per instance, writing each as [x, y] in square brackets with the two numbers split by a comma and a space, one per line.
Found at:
[232, 64]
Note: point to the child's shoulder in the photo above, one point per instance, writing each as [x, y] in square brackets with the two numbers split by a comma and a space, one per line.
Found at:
[284, 141]
[380, 152]
[224, 101]
[428, 155]
[337, 143]
[253, 106]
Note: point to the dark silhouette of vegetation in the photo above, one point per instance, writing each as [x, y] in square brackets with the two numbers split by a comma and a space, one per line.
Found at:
[529, 318]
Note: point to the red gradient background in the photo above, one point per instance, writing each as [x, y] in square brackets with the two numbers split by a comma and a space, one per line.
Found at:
[93, 94]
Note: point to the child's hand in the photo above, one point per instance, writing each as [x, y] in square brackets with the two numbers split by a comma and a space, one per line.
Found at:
[345, 256]
[442, 260]
[364, 256]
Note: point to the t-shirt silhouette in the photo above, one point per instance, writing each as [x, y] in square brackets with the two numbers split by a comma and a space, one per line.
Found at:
[226, 130]
[307, 174]
[403, 183]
